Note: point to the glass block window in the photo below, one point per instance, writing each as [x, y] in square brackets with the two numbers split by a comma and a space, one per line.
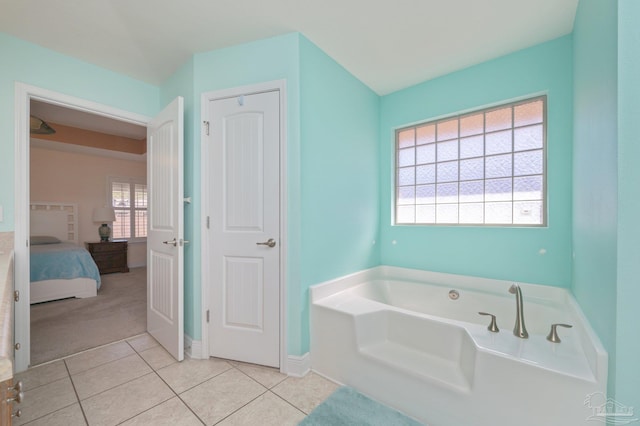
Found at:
[482, 168]
[128, 196]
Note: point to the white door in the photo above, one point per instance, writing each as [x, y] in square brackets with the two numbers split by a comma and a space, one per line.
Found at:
[165, 244]
[245, 228]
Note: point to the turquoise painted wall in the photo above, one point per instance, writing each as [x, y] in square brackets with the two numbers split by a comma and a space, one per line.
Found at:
[494, 252]
[31, 64]
[340, 115]
[257, 62]
[339, 174]
[595, 163]
[181, 84]
[628, 336]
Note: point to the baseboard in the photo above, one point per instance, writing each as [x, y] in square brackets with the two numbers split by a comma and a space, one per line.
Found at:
[138, 265]
[298, 366]
[192, 348]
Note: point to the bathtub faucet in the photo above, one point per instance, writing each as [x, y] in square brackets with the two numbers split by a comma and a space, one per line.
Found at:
[519, 330]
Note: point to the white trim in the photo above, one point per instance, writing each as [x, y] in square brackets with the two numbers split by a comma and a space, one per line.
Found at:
[23, 95]
[192, 348]
[298, 366]
[281, 87]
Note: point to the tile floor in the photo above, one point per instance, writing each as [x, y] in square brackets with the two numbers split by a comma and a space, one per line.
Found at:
[136, 382]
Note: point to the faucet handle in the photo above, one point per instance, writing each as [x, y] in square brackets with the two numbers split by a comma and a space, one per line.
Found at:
[553, 334]
[493, 327]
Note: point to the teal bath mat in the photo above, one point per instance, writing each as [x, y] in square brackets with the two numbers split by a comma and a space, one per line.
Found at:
[348, 407]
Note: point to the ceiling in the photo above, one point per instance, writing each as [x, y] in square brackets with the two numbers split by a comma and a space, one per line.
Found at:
[53, 114]
[388, 45]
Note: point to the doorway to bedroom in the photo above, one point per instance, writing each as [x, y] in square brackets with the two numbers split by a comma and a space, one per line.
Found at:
[82, 167]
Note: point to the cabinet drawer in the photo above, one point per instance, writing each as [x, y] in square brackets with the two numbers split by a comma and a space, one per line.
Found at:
[107, 247]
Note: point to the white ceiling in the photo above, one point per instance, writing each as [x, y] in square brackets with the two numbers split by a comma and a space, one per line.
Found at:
[388, 45]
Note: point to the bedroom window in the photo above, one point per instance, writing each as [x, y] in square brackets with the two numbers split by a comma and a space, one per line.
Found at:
[129, 200]
[486, 167]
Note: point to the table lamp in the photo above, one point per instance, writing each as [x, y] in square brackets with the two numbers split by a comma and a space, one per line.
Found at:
[104, 215]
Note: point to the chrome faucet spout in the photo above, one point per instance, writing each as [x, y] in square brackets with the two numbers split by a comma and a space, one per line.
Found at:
[519, 329]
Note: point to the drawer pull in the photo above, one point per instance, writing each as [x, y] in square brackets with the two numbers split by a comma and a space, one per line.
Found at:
[17, 387]
[18, 398]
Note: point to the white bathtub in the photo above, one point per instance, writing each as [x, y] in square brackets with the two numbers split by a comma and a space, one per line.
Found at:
[396, 335]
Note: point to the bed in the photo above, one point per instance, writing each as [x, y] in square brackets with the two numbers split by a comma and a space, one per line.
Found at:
[59, 267]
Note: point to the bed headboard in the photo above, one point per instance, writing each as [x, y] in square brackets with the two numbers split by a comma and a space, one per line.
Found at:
[59, 220]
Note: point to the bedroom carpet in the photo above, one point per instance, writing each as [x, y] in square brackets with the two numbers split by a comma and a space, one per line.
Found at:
[68, 326]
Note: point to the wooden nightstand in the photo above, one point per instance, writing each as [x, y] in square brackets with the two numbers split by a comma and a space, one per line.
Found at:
[109, 256]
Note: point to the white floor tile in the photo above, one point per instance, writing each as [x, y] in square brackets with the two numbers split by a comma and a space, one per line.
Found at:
[126, 401]
[107, 376]
[68, 416]
[143, 342]
[216, 398]
[306, 392]
[41, 375]
[157, 357]
[266, 410]
[170, 413]
[191, 372]
[266, 376]
[95, 357]
[45, 400]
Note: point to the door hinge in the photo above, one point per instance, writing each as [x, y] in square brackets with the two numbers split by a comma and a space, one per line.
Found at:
[206, 127]
[208, 222]
[16, 295]
[208, 316]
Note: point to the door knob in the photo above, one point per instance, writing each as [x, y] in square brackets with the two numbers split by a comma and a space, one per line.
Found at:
[270, 243]
[172, 242]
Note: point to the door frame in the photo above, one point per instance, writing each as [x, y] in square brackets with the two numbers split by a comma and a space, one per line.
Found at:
[24, 93]
[205, 176]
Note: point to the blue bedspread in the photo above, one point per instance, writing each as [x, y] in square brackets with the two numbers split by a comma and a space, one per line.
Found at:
[62, 261]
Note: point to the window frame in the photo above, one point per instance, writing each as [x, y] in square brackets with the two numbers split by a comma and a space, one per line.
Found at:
[132, 181]
[459, 116]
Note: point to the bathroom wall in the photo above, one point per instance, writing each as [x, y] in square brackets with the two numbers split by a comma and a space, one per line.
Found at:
[495, 252]
[332, 162]
[627, 354]
[251, 63]
[595, 175]
[339, 174]
[31, 64]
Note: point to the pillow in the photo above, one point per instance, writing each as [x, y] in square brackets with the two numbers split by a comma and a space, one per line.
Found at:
[38, 240]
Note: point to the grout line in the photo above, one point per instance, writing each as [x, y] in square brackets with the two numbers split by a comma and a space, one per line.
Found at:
[113, 387]
[241, 407]
[58, 409]
[204, 381]
[66, 357]
[289, 402]
[108, 363]
[179, 398]
[75, 391]
[148, 409]
[145, 375]
[261, 384]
